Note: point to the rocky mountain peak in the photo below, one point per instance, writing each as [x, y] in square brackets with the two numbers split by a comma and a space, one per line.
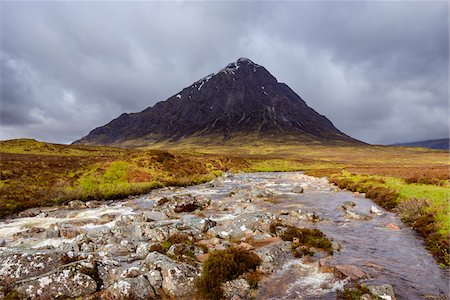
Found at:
[239, 99]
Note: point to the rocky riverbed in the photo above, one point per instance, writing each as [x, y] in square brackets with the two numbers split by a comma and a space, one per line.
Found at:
[153, 246]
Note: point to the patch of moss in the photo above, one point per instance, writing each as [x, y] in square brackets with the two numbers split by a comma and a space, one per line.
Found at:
[353, 293]
[222, 266]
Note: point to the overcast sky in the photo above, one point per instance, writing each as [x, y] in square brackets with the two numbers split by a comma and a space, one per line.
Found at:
[377, 70]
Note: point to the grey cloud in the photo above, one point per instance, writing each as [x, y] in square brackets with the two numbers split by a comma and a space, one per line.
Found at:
[378, 70]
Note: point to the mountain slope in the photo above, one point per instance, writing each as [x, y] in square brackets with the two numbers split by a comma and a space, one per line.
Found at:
[440, 144]
[242, 98]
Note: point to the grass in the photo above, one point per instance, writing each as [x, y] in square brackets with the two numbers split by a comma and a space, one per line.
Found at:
[225, 265]
[64, 173]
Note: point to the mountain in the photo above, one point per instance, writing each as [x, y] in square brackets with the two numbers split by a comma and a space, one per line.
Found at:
[241, 99]
[440, 144]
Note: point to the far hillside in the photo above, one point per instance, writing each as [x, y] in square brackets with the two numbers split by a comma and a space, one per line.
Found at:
[440, 144]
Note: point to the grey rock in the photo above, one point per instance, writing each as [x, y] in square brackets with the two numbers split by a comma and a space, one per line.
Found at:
[195, 224]
[178, 278]
[17, 267]
[297, 189]
[93, 204]
[237, 288]
[350, 272]
[155, 278]
[151, 216]
[376, 211]
[260, 193]
[274, 255]
[346, 205]
[77, 204]
[65, 283]
[356, 216]
[131, 288]
[385, 291]
[31, 212]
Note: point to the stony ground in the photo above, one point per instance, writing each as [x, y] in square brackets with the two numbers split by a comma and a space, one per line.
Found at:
[152, 247]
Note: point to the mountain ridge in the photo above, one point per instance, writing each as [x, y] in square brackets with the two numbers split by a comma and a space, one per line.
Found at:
[438, 144]
[239, 99]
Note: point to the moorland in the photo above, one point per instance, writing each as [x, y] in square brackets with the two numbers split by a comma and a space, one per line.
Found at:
[412, 182]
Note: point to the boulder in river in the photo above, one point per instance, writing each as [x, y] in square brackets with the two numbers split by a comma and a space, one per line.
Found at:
[351, 272]
[376, 211]
[31, 212]
[385, 291]
[274, 255]
[297, 189]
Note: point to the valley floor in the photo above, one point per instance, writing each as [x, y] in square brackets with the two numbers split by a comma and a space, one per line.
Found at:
[410, 181]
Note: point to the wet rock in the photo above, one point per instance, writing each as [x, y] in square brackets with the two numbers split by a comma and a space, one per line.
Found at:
[351, 272]
[237, 289]
[233, 232]
[76, 204]
[392, 227]
[334, 189]
[69, 231]
[33, 232]
[356, 216]
[259, 192]
[178, 278]
[297, 189]
[65, 283]
[346, 205]
[184, 203]
[215, 183]
[376, 211]
[93, 204]
[150, 216]
[384, 291]
[31, 212]
[196, 224]
[131, 288]
[273, 255]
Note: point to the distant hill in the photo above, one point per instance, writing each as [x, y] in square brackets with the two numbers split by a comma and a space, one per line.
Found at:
[240, 100]
[440, 144]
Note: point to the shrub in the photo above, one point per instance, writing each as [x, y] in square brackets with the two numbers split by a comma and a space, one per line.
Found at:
[418, 214]
[385, 197]
[222, 266]
[307, 237]
[178, 238]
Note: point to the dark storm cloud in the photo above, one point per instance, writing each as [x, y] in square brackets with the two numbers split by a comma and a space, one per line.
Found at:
[378, 70]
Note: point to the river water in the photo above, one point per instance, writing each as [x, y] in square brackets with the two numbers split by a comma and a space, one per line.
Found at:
[396, 257]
